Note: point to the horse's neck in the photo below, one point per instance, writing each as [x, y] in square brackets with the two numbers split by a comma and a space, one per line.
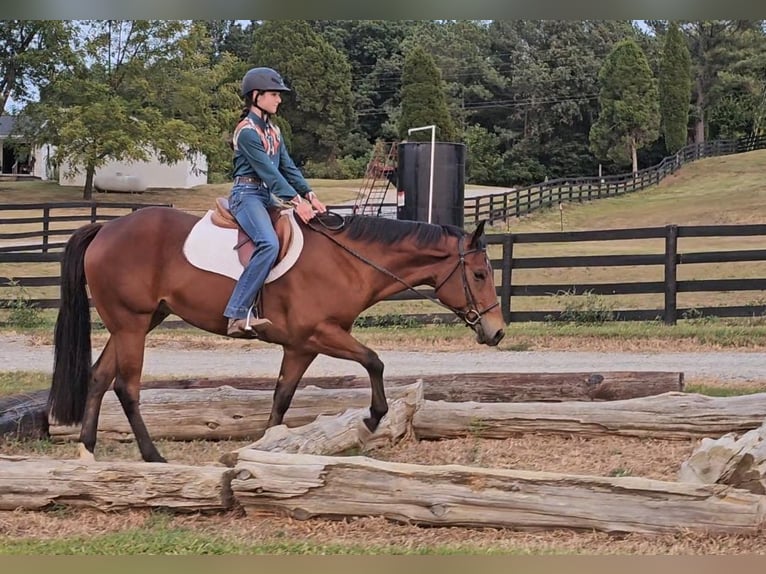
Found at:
[411, 267]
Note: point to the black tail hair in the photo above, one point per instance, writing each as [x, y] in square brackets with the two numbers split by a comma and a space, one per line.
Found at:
[72, 346]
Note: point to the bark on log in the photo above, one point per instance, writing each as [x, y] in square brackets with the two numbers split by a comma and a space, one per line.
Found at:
[218, 414]
[666, 416]
[482, 387]
[303, 486]
[24, 415]
[332, 435]
[739, 462]
[34, 483]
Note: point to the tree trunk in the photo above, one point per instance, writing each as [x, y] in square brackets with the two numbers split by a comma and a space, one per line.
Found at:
[332, 435]
[738, 462]
[87, 192]
[218, 414]
[28, 483]
[479, 387]
[666, 416]
[634, 155]
[699, 123]
[303, 486]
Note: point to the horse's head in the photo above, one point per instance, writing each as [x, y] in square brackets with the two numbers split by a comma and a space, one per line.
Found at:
[469, 289]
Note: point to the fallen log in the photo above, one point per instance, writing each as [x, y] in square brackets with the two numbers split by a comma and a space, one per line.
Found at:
[481, 387]
[332, 435]
[33, 484]
[739, 462]
[217, 414]
[24, 415]
[666, 416]
[303, 486]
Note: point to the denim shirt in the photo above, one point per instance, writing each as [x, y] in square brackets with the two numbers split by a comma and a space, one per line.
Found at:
[268, 161]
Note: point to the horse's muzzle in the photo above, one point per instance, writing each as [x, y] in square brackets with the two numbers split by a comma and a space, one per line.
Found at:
[489, 332]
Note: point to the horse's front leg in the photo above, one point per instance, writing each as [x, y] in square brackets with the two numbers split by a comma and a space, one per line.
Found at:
[294, 364]
[334, 341]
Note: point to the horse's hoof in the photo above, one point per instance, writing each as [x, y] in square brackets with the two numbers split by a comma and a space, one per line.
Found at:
[84, 454]
[371, 423]
[157, 458]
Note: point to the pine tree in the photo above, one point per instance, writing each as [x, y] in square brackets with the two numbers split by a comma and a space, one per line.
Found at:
[675, 89]
[629, 114]
[423, 99]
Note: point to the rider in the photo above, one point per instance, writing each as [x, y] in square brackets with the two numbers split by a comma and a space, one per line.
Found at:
[262, 167]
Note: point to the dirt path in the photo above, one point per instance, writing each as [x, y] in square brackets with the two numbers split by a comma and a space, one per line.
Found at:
[17, 353]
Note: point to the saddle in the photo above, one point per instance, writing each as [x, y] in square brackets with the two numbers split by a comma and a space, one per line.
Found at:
[245, 247]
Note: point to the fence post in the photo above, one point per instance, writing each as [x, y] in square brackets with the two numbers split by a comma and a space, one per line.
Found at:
[505, 281]
[671, 285]
[46, 227]
[93, 213]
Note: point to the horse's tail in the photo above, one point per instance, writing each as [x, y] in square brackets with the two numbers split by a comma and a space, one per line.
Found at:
[72, 347]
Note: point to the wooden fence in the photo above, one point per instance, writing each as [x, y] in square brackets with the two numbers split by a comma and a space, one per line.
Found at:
[518, 202]
[506, 260]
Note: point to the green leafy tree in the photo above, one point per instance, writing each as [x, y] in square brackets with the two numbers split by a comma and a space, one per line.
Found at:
[320, 110]
[629, 106]
[423, 99]
[136, 88]
[675, 89]
[32, 52]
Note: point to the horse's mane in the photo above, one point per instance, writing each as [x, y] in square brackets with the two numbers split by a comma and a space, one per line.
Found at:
[392, 231]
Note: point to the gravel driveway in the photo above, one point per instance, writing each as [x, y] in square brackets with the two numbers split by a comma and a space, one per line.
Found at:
[17, 354]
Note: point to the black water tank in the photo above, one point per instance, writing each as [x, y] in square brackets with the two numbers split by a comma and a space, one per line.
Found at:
[414, 171]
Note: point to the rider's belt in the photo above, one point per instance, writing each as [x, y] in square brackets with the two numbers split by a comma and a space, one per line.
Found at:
[247, 179]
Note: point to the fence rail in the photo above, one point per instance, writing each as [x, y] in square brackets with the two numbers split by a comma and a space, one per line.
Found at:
[511, 291]
[522, 201]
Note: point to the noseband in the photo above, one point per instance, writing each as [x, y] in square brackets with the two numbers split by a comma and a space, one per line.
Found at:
[471, 314]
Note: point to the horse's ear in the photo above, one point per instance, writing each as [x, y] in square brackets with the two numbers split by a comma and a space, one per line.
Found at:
[478, 234]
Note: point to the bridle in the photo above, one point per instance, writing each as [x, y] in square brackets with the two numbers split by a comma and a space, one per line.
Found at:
[470, 315]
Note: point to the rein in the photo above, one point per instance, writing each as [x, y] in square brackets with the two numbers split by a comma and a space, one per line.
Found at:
[470, 317]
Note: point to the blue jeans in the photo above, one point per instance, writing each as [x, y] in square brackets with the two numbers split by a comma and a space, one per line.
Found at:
[248, 204]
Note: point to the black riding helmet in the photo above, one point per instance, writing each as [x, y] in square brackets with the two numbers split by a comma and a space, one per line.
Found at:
[263, 80]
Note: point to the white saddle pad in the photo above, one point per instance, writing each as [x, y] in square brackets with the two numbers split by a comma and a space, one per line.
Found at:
[211, 248]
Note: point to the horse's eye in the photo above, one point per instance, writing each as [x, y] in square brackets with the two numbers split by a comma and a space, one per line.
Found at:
[480, 275]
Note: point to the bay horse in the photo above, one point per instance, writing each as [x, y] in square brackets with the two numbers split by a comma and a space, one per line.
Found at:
[137, 274]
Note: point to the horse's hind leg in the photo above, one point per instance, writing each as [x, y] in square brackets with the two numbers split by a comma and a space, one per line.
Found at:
[102, 376]
[294, 364]
[104, 372]
[127, 386]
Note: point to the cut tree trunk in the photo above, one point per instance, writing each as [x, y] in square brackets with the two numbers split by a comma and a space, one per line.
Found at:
[482, 387]
[739, 462]
[330, 435]
[303, 486]
[28, 483]
[24, 416]
[666, 416]
[218, 414]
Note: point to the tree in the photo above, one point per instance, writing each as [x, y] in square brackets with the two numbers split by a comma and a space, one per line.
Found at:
[31, 54]
[716, 46]
[675, 89]
[320, 110]
[629, 107]
[423, 100]
[136, 88]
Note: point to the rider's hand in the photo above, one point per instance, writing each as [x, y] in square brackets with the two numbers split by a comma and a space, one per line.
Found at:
[304, 211]
[316, 204]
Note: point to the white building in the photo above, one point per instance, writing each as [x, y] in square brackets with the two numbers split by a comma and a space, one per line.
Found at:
[184, 174]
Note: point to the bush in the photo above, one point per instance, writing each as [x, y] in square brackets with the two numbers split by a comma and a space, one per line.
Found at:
[22, 311]
[344, 168]
[587, 308]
